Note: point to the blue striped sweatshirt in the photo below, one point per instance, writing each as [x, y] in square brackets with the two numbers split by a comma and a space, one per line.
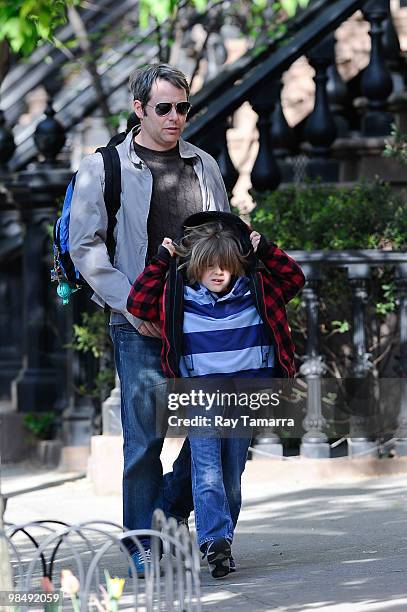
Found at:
[223, 334]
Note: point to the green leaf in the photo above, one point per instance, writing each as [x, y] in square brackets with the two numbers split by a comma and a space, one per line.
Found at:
[144, 13]
[261, 4]
[200, 5]
[382, 308]
[290, 6]
[27, 23]
[159, 9]
[342, 326]
[108, 583]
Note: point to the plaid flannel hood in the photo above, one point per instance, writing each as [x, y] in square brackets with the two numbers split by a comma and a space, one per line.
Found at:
[231, 221]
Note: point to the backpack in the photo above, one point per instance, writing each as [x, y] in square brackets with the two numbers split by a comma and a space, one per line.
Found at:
[64, 272]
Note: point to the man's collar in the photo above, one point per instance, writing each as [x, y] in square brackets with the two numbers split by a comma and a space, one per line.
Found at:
[186, 150]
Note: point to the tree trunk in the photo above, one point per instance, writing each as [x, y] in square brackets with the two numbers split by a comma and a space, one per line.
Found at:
[81, 34]
[4, 59]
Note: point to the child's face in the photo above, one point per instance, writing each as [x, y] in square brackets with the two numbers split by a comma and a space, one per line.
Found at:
[215, 279]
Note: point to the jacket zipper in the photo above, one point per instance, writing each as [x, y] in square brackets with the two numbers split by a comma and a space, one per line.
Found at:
[167, 342]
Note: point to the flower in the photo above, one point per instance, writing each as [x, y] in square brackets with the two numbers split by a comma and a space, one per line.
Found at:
[116, 587]
[69, 583]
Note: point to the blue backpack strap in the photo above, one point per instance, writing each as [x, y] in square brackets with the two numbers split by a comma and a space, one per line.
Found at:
[113, 188]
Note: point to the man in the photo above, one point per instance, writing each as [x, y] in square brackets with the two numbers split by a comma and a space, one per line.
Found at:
[164, 180]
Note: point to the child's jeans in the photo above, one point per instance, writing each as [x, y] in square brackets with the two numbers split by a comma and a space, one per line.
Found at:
[218, 461]
[218, 458]
[217, 467]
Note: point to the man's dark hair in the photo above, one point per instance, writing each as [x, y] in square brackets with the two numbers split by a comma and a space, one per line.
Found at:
[142, 79]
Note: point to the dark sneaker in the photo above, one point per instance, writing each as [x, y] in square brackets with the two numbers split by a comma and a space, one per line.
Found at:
[232, 565]
[218, 555]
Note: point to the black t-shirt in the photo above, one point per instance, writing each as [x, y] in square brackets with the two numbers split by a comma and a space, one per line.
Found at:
[176, 194]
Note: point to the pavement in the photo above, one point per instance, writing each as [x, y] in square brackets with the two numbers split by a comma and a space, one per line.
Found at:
[300, 546]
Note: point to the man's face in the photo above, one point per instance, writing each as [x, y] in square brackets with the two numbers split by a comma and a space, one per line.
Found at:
[161, 133]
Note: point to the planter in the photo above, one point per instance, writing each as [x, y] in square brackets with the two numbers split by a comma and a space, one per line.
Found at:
[49, 452]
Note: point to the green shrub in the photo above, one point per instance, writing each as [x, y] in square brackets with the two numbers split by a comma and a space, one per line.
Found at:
[315, 216]
[91, 337]
[41, 424]
[396, 146]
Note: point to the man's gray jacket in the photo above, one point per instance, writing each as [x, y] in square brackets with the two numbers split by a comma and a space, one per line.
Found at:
[88, 220]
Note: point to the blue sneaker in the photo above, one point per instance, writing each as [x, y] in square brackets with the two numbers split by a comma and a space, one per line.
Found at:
[140, 561]
[232, 565]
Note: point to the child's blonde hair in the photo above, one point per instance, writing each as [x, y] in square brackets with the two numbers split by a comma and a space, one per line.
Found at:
[208, 245]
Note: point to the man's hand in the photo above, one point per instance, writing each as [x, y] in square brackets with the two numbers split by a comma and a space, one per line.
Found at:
[148, 328]
[167, 243]
[255, 239]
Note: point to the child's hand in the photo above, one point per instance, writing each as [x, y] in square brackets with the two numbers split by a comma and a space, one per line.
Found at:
[255, 239]
[167, 243]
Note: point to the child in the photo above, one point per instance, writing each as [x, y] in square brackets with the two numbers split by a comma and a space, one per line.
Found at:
[221, 306]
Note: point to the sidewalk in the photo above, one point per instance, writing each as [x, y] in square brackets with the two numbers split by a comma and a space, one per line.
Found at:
[322, 547]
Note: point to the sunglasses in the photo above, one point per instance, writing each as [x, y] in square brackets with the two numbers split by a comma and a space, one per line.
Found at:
[164, 108]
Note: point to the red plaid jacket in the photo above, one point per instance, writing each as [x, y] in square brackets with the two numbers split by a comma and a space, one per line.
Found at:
[157, 295]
